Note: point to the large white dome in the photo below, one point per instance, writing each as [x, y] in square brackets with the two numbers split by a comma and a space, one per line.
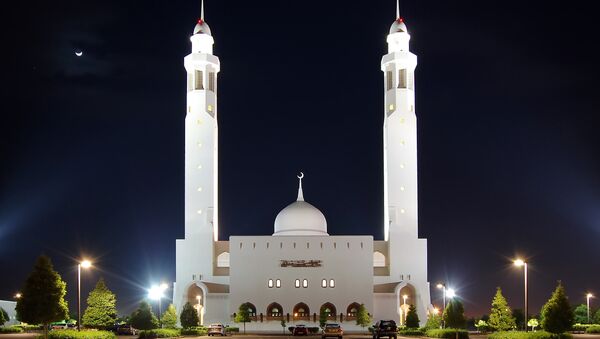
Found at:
[300, 218]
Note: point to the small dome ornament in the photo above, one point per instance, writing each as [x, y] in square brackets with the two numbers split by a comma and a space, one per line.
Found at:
[201, 26]
[398, 26]
[300, 217]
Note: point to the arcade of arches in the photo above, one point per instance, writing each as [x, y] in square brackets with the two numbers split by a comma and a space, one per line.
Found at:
[301, 312]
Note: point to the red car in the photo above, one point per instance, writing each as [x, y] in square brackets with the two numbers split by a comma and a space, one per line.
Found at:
[300, 330]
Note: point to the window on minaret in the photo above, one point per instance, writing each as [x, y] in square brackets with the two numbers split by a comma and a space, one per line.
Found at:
[390, 80]
[211, 81]
[198, 83]
[411, 80]
[402, 78]
[190, 82]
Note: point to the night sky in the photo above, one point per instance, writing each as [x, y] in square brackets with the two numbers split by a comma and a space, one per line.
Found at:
[507, 100]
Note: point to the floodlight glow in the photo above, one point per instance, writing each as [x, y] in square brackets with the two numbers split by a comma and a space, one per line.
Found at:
[519, 262]
[155, 293]
[18, 295]
[436, 310]
[164, 286]
[440, 286]
[86, 264]
[450, 293]
[589, 295]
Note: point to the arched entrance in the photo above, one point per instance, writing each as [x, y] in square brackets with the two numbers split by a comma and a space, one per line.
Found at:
[274, 312]
[352, 311]
[329, 310]
[251, 310]
[406, 296]
[301, 312]
[197, 298]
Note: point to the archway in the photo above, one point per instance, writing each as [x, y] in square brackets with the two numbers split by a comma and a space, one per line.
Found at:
[223, 259]
[378, 259]
[301, 312]
[329, 310]
[352, 311]
[274, 311]
[197, 298]
[251, 310]
[406, 296]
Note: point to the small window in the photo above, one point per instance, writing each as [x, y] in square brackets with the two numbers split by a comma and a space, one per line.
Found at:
[294, 245]
[267, 245]
[305, 283]
[198, 81]
[402, 78]
[278, 283]
[390, 80]
[334, 245]
[348, 244]
[190, 82]
[324, 283]
[331, 283]
[297, 283]
[270, 284]
[253, 245]
[211, 81]
[307, 245]
[321, 245]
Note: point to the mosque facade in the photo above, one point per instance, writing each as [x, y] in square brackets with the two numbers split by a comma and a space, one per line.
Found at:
[300, 270]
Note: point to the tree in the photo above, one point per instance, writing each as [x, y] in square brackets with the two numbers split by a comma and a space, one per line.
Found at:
[454, 314]
[143, 318]
[533, 323]
[557, 315]
[3, 316]
[363, 318]
[519, 316]
[434, 321]
[501, 318]
[101, 311]
[283, 325]
[597, 317]
[43, 296]
[412, 318]
[169, 318]
[243, 315]
[482, 326]
[580, 314]
[189, 316]
[322, 317]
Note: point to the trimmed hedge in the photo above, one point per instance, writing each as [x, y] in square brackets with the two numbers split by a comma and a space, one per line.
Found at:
[74, 334]
[528, 335]
[580, 327]
[448, 333]
[232, 329]
[411, 332]
[159, 333]
[195, 331]
[11, 329]
[594, 329]
[28, 328]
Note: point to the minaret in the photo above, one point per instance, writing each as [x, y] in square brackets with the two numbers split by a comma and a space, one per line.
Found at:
[201, 136]
[400, 133]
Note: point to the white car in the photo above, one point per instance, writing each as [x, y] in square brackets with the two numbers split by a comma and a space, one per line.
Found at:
[216, 329]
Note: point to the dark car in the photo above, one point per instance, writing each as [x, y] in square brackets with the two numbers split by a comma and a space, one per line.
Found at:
[125, 329]
[300, 330]
[332, 330]
[385, 328]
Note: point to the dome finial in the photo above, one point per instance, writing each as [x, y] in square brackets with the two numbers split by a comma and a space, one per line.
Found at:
[202, 10]
[300, 194]
[397, 9]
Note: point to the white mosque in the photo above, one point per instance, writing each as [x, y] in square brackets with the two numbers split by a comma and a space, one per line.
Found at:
[300, 269]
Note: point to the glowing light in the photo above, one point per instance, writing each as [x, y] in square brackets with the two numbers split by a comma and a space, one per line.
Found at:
[86, 264]
[436, 310]
[392, 107]
[18, 295]
[519, 262]
[210, 108]
[156, 291]
[440, 286]
[589, 295]
[450, 293]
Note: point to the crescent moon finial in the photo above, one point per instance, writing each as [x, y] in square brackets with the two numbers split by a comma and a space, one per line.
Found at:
[301, 176]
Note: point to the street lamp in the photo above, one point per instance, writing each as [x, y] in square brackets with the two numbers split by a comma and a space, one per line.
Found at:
[588, 296]
[18, 295]
[84, 264]
[156, 293]
[519, 263]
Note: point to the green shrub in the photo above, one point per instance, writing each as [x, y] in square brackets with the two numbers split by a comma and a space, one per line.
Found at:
[448, 333]
[74, 334]
[232, 329]
[11, 329]
[412, 332]
[528, 335]
[593, 329]
[160, 333]
[195, 331]
[313, 330]
[28, 328]
[580, 327]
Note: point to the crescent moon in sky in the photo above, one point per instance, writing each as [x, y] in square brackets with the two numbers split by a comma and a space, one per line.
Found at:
[79, 53]
[301, 175]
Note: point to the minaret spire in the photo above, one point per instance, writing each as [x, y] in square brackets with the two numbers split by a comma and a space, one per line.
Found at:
[397, 9]
[300, 193]
[202, 10]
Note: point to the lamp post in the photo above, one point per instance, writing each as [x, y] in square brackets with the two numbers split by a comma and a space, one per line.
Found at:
[519, 263]
[156, 293]
[588, 296]
[84, 264]
[199, 298]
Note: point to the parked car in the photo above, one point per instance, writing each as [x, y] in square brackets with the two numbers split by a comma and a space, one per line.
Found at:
[385, 328]
[300, 330]
[125, 329]
[216, 329]
[332, 330]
